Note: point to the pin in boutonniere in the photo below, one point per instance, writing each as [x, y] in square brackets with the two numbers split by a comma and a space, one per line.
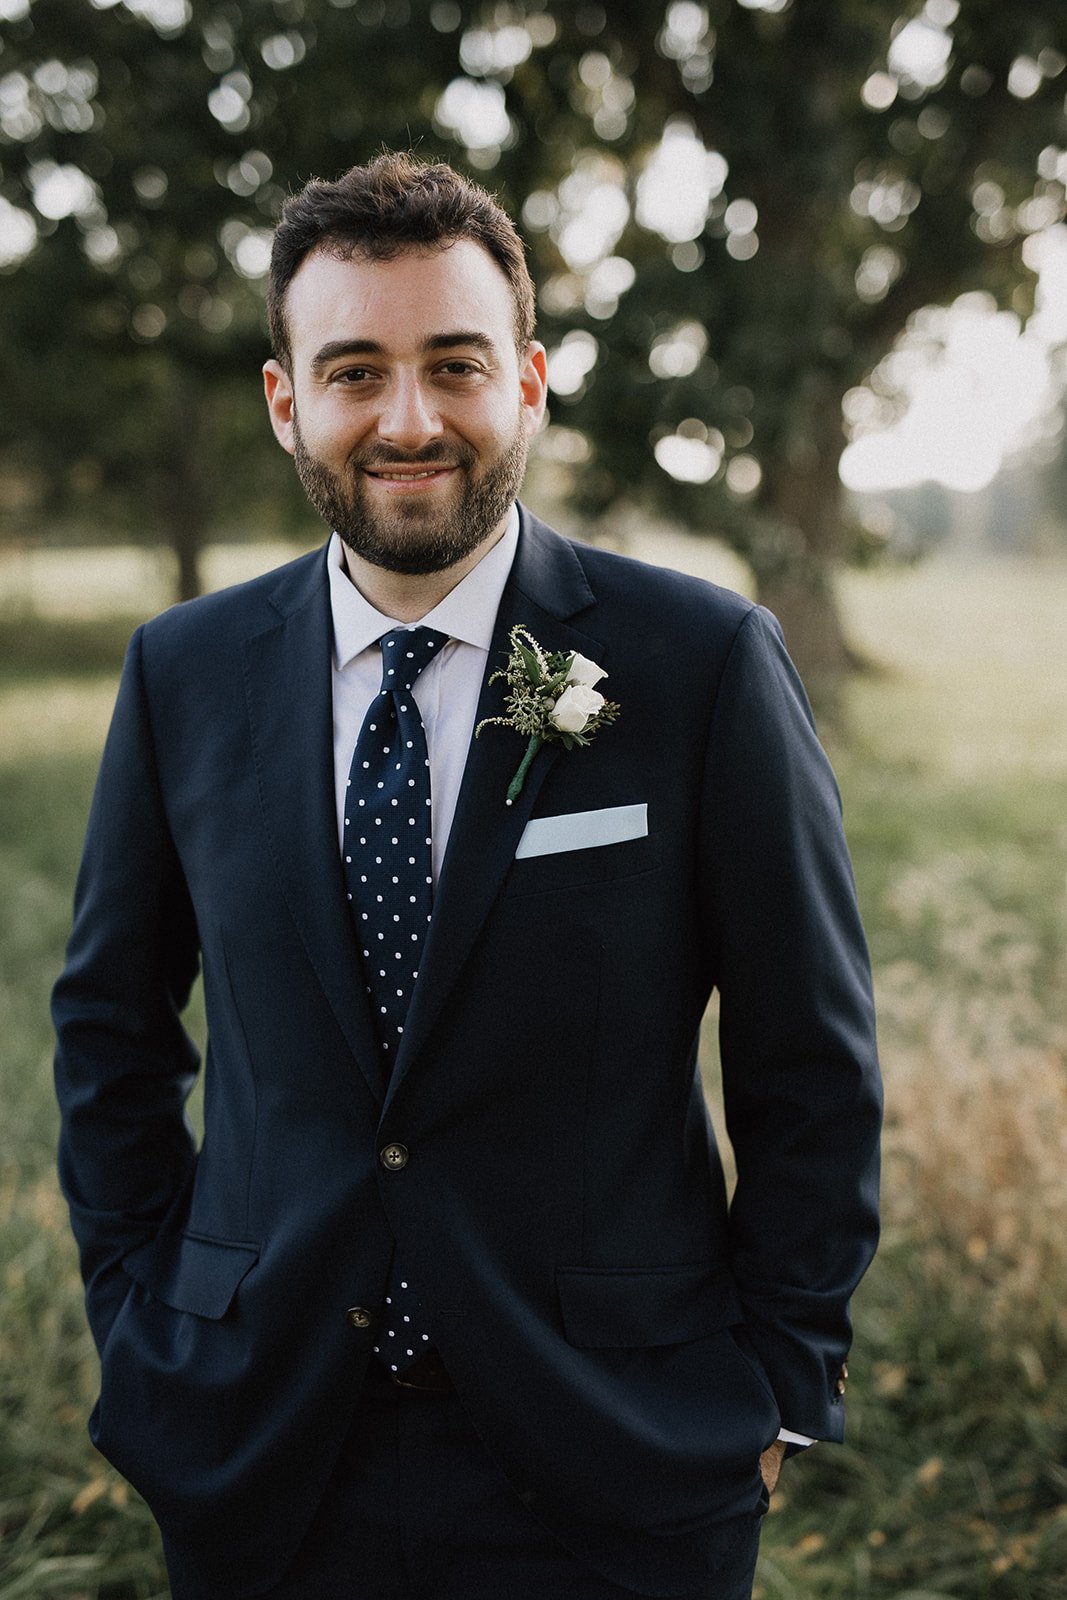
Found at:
[551, 695]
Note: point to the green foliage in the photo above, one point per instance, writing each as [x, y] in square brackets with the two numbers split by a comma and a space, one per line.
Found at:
[847, 190]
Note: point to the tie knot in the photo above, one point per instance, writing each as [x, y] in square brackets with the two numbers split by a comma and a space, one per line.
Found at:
[405, 651]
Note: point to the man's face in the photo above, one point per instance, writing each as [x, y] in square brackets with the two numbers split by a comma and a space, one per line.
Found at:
[408, 409]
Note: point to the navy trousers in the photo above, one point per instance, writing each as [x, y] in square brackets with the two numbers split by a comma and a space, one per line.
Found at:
[416, 1509]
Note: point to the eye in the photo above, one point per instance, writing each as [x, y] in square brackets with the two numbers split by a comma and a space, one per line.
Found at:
[352, 375]
[459, 367]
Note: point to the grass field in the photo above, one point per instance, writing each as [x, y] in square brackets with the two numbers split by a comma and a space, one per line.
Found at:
[953, 1482]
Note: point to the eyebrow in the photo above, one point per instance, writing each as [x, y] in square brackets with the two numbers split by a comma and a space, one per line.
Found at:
[335, 349]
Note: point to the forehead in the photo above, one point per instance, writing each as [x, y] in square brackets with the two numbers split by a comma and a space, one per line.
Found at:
[399, 303]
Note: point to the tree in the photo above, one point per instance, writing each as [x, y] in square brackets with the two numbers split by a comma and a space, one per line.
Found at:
[734, 208]
[858, 161]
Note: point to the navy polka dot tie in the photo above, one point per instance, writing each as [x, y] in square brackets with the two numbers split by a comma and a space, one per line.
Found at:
[389, 881]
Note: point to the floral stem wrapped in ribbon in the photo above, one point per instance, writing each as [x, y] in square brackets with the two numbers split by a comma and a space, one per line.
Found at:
[551, 695]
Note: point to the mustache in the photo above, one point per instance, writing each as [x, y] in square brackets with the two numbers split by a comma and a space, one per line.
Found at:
[431, 455]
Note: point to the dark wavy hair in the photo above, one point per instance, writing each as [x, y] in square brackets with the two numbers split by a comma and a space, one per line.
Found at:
[393, 204]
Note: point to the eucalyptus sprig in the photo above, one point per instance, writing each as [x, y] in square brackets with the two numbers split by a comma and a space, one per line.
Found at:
[550, 697]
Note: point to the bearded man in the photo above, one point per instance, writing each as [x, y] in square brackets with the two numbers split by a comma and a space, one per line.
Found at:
[450, 1301]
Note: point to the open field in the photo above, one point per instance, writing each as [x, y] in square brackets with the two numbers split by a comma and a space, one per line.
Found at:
[953, 1482]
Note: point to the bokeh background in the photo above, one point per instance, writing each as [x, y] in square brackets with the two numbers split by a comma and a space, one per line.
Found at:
[802, 273]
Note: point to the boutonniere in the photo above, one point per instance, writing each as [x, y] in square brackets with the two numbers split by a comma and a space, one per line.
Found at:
[551, 695]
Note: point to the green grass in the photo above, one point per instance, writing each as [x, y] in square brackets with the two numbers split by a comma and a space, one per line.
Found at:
[952, 1482]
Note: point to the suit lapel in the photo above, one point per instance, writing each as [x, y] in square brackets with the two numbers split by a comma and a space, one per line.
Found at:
[290, 706]
[547, 585]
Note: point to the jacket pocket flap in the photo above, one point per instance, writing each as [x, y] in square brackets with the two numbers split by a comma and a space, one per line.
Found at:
[195, 1274]
[619, 1308]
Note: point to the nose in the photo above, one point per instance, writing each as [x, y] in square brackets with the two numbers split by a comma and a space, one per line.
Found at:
[407, 418]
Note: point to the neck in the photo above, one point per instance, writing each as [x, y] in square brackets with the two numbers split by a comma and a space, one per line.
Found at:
[410, 596]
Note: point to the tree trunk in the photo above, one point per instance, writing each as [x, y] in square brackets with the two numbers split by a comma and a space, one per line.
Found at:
[183, 496]
[794, 562]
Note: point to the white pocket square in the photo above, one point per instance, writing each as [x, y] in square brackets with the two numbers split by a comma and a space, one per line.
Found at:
[582, 830]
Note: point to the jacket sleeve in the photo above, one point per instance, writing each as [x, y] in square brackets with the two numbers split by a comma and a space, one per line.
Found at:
[800, 1073]
[124, 1064]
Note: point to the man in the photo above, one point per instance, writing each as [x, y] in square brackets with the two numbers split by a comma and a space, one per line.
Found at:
[450, 1301]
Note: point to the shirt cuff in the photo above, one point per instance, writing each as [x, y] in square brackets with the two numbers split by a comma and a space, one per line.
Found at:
[789, 1437]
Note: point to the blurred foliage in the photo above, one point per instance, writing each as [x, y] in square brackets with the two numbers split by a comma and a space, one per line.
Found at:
[733, 209]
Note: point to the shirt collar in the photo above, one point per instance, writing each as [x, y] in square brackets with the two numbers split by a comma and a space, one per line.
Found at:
[467, 612]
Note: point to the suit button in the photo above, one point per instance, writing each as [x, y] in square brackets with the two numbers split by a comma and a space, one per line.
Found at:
[357, 1317]
[393, 1157]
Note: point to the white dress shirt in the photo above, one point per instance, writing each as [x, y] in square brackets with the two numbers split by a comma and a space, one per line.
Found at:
[446, 692]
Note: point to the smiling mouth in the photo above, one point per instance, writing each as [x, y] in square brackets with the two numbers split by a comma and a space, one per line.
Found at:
[407, 474]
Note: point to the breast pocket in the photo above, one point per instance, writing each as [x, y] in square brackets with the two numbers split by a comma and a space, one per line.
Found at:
[571, 869]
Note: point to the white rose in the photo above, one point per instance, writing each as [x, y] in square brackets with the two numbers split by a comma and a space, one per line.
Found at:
[584, 671]
[574, 708]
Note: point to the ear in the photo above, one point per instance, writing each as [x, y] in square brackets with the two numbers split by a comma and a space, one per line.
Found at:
[280, 403]
[533, 385]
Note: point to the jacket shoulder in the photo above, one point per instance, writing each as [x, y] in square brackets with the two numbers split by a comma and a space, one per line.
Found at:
[239, 610]
[655, 594]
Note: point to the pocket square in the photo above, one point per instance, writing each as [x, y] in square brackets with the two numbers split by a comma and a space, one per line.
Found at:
[582, 830]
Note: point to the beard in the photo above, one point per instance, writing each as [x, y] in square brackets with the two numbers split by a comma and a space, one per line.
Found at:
[410, 538]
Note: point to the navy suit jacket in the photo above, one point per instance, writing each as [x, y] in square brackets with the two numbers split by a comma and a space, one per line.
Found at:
[624, 1340]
